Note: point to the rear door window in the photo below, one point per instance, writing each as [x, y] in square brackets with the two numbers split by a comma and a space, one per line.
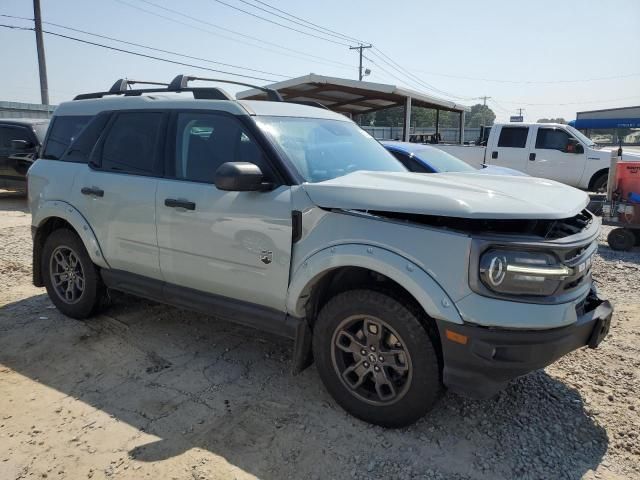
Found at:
[131, 144]
[513, 137]
[62, 132]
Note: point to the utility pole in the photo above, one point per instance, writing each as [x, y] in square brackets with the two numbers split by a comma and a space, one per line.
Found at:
[42, 64]
[484, 103]
[361, 47]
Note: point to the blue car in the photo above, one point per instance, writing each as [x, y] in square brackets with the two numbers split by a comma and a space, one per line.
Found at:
[422, 158]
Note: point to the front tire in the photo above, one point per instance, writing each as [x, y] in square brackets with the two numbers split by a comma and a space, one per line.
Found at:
[72, 280]
[599, 184]
[376, 359]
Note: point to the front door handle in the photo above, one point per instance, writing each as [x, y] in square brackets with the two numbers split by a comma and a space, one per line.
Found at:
[174, 203]
[95, 191]
[532, 156]
[494, 155]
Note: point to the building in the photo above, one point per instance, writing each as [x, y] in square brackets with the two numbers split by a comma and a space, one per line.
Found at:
[611, 126]
[25, 110]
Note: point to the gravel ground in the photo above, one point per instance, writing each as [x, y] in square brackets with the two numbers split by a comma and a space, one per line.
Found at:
[149, 391]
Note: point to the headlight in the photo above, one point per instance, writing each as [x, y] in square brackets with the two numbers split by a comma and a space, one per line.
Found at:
[522, 273]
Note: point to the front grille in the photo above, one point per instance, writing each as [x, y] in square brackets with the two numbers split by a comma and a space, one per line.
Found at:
[568, 226]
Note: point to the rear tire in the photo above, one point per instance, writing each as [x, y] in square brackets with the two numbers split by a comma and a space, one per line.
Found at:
[72, 280]
[376, 359]
[621, 239]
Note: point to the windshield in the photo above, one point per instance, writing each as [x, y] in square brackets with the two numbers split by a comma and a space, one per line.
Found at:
[324, 149]
[442, 161]
[581, 136]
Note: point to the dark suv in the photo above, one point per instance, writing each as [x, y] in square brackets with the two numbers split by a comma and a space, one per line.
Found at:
[20, 141]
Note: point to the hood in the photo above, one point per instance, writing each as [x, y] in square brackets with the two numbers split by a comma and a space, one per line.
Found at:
[456, 194]
[627, 155]
[495, 170]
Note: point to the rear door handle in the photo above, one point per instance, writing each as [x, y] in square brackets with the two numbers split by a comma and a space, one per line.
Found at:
[95, 191]
[494, 155]
[532, 156]
[174, 203]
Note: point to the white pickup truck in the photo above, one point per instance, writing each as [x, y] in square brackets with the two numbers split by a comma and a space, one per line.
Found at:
[547, 150]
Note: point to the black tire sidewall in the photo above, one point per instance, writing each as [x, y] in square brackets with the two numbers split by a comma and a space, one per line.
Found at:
[600, 182]
[621, 239]
[90, 298]
[425, 383]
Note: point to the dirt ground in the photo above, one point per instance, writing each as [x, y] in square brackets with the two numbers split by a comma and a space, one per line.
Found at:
[149, 391]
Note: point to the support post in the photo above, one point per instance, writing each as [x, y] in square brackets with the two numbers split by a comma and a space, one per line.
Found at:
[42, 64]
[437, 124]
[462, 127]
[407, 120]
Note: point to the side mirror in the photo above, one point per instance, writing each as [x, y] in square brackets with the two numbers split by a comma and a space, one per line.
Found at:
[579, 148]
[239, 177]
[21, 145]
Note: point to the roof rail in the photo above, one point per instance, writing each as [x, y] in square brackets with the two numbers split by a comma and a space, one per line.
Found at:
[178, 84]
[123, 84]
[122, 87]
[181, 82]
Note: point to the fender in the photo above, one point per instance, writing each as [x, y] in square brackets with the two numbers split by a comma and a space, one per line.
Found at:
[65, 211]
[433, 299]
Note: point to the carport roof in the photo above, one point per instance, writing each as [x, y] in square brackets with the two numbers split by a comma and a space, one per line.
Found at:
[351, 96]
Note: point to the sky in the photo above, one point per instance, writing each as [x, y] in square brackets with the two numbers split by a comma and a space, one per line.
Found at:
[551, 58]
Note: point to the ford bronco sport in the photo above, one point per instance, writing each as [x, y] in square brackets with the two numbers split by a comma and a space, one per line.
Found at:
[291, 219]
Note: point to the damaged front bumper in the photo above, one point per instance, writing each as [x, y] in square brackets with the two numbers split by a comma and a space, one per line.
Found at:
[480, 361]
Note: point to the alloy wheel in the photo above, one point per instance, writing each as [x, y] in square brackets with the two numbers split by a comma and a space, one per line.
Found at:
[67, 276]
[371, 360]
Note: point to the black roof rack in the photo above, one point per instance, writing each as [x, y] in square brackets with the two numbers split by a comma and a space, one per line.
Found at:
[181, 82]
[178, 84]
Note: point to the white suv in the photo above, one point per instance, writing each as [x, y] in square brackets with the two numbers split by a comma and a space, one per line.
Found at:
[291, 219]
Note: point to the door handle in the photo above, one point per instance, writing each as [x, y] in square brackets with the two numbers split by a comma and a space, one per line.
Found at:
[95, 191]
[494, 155]
[532, 156]
[173, 203]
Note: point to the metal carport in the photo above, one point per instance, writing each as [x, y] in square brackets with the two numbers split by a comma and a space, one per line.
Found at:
[352, 97]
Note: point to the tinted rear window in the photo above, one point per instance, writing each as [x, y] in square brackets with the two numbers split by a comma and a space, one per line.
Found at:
[514, 137]
[62, 132]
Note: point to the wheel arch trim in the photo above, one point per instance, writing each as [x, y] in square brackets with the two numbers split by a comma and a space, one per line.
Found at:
[426, 291]
[65, 211]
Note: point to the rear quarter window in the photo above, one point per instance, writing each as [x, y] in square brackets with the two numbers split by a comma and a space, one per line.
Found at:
[62, 131]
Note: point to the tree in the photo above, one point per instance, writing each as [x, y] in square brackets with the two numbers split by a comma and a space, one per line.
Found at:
[552, 120]
[479, 115]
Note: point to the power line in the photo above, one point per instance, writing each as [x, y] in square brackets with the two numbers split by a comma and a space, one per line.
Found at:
[403, 71]
[280, 24]
[381, 55]
[106, 37]
[570, 103]
[531, 82]
[297, 53]
[144, 55]
[346, 37]
[306, 23]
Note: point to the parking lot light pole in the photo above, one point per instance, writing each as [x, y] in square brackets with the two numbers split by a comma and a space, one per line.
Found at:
[42, 64]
